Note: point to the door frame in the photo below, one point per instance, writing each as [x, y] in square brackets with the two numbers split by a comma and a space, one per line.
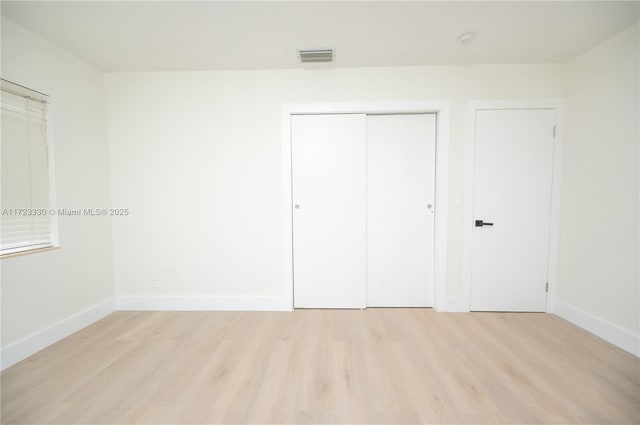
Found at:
[441, 109]
[464, 302]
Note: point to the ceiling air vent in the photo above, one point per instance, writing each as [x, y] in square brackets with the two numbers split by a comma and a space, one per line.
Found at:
[316, 55]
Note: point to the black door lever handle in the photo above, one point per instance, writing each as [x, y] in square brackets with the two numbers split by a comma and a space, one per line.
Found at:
[480, 223]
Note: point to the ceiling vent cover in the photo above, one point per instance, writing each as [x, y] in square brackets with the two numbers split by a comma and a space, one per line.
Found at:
[316, 55]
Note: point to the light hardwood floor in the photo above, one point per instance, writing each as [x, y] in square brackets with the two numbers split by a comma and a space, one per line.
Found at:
[325, 366]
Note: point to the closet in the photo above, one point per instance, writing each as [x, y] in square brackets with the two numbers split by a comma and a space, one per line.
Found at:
[363, 210]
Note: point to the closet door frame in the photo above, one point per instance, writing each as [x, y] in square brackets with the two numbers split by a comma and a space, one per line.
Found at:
[442, 111]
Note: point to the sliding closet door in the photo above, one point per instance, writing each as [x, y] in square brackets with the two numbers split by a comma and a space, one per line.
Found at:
[328, 174]
[400, 204]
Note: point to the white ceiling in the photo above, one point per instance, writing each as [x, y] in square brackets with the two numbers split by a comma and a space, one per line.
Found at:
[185, 35]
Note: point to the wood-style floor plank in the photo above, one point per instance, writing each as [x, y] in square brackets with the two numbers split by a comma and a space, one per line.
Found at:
[374, 366]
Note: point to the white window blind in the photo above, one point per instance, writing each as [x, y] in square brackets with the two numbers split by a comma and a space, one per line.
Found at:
[26, 223]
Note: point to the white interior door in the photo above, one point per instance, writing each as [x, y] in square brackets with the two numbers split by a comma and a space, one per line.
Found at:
[512, 193]
[400, 205]
[328, 175]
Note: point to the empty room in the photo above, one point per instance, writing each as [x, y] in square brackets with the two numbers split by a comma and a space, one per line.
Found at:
[320, 212]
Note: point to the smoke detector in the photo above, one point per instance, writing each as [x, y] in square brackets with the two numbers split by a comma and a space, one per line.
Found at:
[316, 55]
[466, 38]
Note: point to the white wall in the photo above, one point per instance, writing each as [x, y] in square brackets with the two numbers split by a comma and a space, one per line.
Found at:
[41, 289]
[599, 257]
[196, 157]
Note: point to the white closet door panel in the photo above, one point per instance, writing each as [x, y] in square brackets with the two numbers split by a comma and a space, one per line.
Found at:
[328, 174]
[400, 205]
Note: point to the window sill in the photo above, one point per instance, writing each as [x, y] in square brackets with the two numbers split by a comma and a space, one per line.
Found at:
[28, 251]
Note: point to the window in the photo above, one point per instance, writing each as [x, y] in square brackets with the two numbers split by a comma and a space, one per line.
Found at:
[27, 222]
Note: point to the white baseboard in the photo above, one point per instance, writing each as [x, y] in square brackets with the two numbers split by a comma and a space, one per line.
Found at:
[608, 331]
[20, 350]
[203, 303]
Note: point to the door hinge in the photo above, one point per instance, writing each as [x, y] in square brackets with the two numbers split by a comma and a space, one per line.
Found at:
[554, 131]
[546, 287]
